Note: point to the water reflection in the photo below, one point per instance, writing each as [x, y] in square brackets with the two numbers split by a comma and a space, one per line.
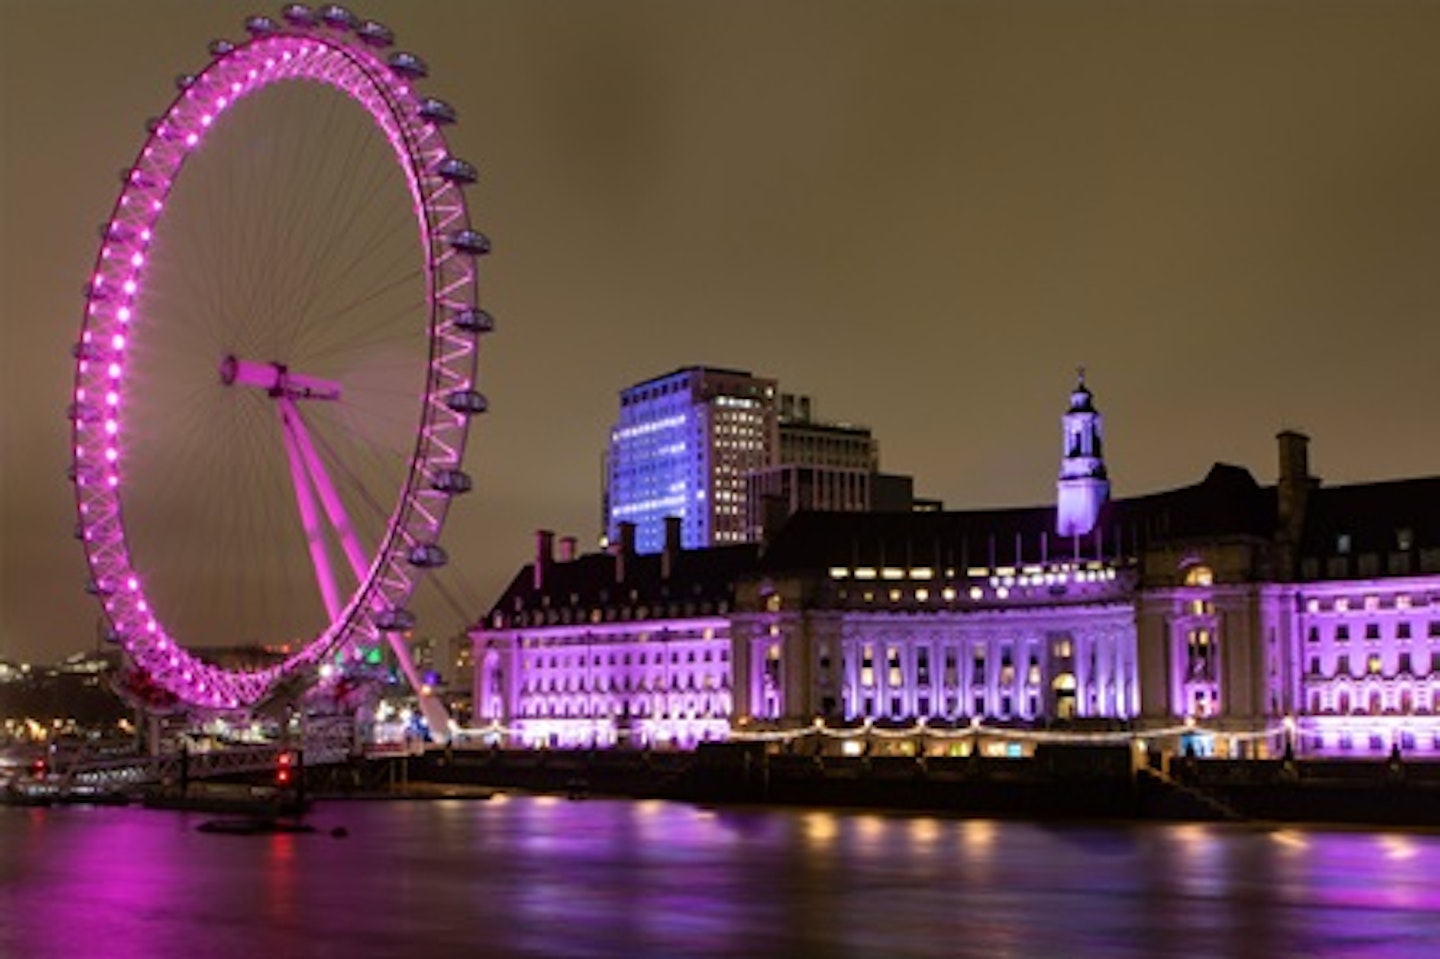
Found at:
[550, 877]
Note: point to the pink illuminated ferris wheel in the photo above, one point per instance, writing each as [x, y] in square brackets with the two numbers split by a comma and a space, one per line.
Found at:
[275, 377]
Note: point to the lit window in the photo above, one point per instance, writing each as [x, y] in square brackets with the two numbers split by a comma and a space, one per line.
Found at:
[1199, 576]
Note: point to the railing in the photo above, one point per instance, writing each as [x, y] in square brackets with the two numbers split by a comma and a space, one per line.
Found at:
[121, 772]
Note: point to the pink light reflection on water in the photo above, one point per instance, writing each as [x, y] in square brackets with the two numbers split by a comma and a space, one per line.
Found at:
[551, 877]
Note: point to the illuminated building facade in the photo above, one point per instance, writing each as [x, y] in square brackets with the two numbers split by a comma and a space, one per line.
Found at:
[682, 447]
[614, 648]
[1249, 617]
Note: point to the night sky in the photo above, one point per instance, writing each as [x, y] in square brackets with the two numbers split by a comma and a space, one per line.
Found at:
[922, 214]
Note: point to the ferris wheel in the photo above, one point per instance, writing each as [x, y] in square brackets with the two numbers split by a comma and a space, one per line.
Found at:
[276, 370]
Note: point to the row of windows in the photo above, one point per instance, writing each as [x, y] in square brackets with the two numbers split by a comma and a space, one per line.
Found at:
[1374, 665]
[574, 616]
[604, 683]
[1370, 603]
[643, 658]
[1373, 631]
[638, 706]
[1375, 742]
[1091, 701]
[1366, 565]
[1402, 702]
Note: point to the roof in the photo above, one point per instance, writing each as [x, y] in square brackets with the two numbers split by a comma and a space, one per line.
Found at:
[1227, 503]
[590, 581]
[1373, 516]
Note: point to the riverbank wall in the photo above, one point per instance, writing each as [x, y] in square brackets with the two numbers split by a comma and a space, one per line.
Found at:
[1064, 783]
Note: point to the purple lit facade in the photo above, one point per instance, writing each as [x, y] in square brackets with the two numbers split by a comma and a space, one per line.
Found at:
[613, 648]
[1239, 617]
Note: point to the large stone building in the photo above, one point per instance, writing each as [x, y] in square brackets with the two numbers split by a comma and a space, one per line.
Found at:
[1258, 616]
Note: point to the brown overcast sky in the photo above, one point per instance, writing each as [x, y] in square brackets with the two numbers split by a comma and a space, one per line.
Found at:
[923, 214]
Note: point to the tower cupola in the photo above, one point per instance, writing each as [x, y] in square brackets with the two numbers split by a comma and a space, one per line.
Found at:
[1083, 486]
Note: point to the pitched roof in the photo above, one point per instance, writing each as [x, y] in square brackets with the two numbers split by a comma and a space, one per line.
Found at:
[701, 575]
[1372, 515]
[1228, 502]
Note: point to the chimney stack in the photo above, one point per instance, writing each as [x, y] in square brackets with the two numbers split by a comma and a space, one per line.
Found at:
[1291, 492]
[624, 550]
[567, 549]
[544, 548]
[672, 547]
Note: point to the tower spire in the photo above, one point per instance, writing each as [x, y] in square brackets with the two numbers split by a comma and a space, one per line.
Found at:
[1083, 486]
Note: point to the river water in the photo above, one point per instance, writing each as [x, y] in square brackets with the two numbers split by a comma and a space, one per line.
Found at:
[540, 876]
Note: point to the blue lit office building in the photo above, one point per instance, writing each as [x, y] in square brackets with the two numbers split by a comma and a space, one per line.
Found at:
[683, 446]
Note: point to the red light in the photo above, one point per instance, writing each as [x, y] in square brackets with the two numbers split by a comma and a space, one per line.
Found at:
[282, 770]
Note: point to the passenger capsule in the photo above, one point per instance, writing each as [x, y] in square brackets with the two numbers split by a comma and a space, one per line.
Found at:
[137, 177]
[395, 620]
[453, 482]
[471, 241]
[472, 320]
[375, 34]
[436, 111]
[337, 17]
[82, 412]
[408, 65]
[218, 48]
[456, 170]
[98, 587]
[86, 351]
[467, 401]
[184, 81]
[428, 556]
[261, 26]
[298, 15]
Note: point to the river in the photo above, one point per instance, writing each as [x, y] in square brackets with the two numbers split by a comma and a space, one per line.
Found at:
[540, 876]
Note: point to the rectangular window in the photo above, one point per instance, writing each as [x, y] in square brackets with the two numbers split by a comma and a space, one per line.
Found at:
[1342, 665]
[1372, 664]
[1372, 631]
[1402, 630]
[1403, 664]
[1342, 634]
